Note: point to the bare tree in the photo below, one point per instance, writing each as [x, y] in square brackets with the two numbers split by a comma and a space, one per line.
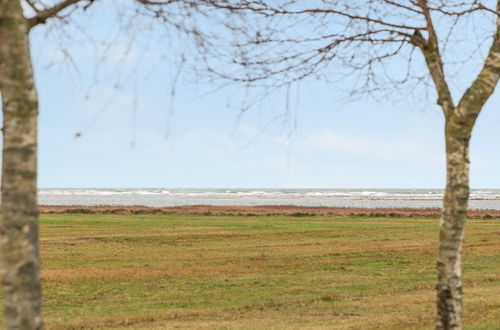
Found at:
[382, 47]
[19, 231]
[377, 46]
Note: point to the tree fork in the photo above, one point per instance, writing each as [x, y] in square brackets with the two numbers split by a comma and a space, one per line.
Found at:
[19, 240]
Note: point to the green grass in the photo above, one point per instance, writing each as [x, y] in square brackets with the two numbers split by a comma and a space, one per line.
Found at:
[166, 271]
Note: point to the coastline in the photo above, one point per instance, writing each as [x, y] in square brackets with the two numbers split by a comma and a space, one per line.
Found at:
[265, 210]
[311, 199]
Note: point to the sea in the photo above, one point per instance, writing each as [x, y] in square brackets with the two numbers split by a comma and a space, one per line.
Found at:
[357, 198]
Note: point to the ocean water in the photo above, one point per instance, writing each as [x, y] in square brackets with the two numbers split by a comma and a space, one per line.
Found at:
[365, 198]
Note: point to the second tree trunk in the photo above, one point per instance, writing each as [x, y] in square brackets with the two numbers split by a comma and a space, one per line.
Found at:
[449, 281]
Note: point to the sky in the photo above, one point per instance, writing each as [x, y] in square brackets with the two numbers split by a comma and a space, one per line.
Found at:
[136, 135]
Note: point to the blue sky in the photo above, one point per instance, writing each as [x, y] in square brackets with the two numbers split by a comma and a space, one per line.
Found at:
[337, 143]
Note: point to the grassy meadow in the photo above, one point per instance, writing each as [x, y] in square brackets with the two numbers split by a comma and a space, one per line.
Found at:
[157, 271]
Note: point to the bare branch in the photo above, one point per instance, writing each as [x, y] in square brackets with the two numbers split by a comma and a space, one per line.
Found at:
[483, 86]
[43, 15]
[402, 6]
[157, 3]
[32, 5]
[476, 7]
[266, 10]
[430, 49]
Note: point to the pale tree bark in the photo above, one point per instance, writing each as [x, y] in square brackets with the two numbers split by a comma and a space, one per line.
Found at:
[20, 268]
[19, 241]
[19, 228]
[459, 123]
[452, 224]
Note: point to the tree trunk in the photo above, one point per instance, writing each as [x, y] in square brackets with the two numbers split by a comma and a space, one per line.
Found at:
[19, 236]
[449, 282]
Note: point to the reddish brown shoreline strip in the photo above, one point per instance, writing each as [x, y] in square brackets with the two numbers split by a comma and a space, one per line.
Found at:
[288, 210]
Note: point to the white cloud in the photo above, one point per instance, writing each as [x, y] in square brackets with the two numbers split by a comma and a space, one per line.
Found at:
[373, 147]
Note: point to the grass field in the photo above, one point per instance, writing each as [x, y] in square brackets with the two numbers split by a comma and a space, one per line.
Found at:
[167, 271]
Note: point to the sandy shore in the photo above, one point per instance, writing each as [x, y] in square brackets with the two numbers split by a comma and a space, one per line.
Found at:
[288, 210]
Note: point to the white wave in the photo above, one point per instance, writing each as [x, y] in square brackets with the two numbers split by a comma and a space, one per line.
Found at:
[272, 194]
